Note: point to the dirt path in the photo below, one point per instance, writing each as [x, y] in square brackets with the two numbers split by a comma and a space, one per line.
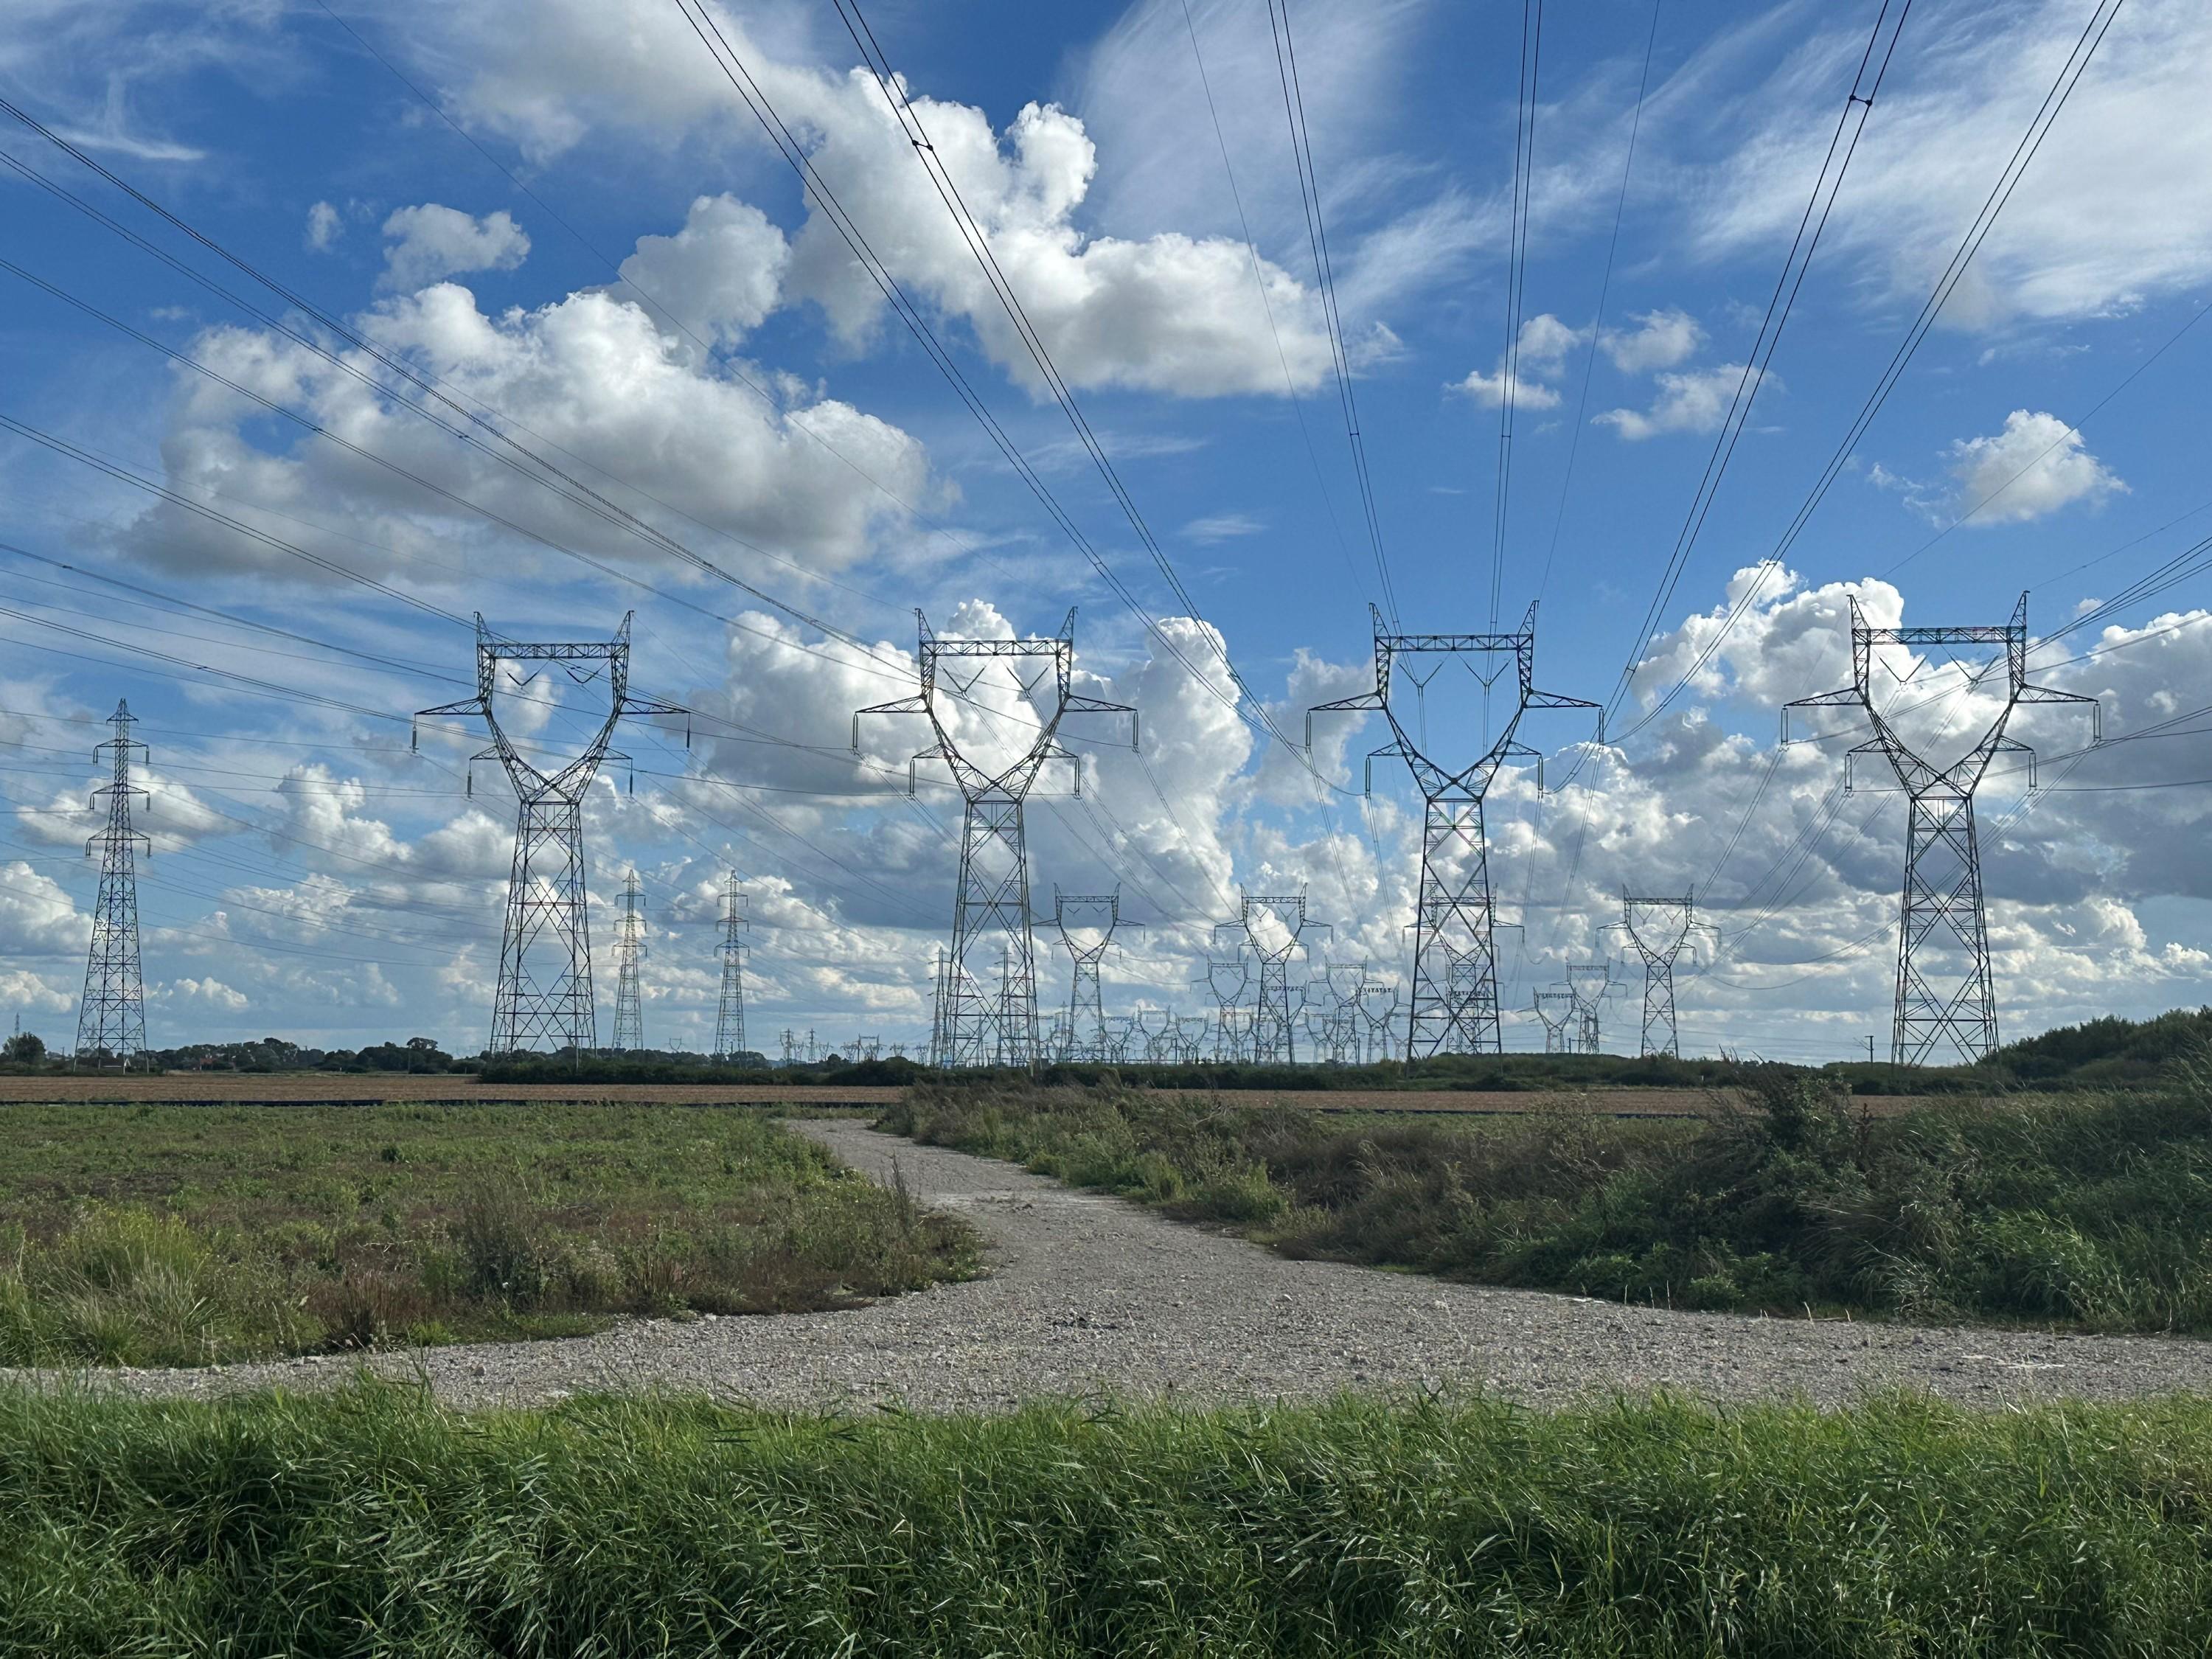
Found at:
[1088, 1294]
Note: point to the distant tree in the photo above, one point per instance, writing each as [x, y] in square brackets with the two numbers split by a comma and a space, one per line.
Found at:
[24, 1048]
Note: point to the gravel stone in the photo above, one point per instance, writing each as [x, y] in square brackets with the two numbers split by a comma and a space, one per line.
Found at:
[1088, 1295]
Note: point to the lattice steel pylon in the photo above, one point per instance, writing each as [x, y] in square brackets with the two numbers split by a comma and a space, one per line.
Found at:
[730, 1012]
[629, 953]
[1658, 928]
[1453, 1007]
[1087, 1036]
[975, 1026]
[1273, 1038]
[1557, 1009]
[544, 997]
[111, 1021]
[1227, 978]
[1590, 983]
[1944, 989]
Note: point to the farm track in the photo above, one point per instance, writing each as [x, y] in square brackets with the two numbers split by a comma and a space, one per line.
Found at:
[1087, 1295]
[323, 1088]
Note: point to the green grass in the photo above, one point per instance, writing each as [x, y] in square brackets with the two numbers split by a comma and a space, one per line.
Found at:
[160, 1235]
[373, 1523]
[2081, 1212]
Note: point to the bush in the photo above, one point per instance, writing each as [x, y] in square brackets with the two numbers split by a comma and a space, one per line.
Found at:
[2080, 1210]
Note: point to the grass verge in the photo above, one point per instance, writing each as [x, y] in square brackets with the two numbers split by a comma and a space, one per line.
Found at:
[2086, 1212]
[187, 1235]
[374, 1523]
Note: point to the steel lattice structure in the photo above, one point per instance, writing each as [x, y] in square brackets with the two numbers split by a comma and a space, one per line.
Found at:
[1453, 1008]
[1227, 978]
[1558, 1039]
[1659, 928]
[730, 1013]
[1590, 983]
[1274, 1028]
[1944, 989]
[629, 953]
[545, 994]
[1086, 1037]
[111, 1021]
[972, 1026]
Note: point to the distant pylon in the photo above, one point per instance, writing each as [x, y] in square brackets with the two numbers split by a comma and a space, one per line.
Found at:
[1087, 1037]
[630, 952]
[790, 1040]
[1658, 928]
[1453, 1008]
[545, 994]
[975, 1026]
[111, 1021]
[730, 1016]
[1273, 1040]
[1944, 991]
[1559, 1010]
[1590, 982]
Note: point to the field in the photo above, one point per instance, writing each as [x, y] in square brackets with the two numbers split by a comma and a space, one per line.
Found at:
[162, 1235]
[302, 1088]
[2081, 1212]
[374, 1523]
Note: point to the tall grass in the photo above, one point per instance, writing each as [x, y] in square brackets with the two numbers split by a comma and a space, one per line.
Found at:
[373, 1523]
[2080, 1210]
[185, 1234]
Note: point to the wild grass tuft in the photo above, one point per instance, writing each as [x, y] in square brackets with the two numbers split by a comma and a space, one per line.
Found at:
[374, 1523]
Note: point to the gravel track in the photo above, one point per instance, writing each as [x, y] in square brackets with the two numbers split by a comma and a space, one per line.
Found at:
[1090, 1295]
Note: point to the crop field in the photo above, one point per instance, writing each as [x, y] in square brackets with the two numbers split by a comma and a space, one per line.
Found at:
[168, 1234]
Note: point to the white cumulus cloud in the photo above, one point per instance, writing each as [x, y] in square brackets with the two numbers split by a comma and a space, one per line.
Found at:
[422, 244]
[2036, 465]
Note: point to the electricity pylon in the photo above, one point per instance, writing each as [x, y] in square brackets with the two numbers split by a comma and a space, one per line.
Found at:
[1453, 1010]
[630, 952]
[973, 1026]
[1272, 1031]
[1227, 978]
[1659, 928]
[1943, 984]
[730, 1014]
[1590, 982]
[545, 994]
[111, 1021]
[1086, 1011]
[1557, 1009]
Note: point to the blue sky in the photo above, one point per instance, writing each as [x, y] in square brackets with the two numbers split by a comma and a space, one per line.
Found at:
[579, 232]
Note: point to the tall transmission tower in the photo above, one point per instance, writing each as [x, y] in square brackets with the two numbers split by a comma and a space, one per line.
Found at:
[1227, 978]
[1086, 924]
[975, 1027]
[1590, 982]
[1659, 928]
[630, 952]
[1558, 1010]
[1944, 992]
[730, 1013]
[1454, 1009]
[111, 1021]
[545, 994]
[1273, 927]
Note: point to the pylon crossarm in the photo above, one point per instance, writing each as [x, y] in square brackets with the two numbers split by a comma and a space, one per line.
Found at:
[2047, 694]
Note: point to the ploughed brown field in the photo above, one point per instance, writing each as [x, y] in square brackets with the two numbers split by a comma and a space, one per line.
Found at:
[323, 1087]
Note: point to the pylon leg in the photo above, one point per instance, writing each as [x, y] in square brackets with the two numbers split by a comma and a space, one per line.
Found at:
[1455, 1002]
[978, 1027]
[545, 994]
[1945, 996]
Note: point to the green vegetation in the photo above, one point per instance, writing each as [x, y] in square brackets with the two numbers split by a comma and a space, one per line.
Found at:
[2076, 1211]
[373, 1523]
[160, 1235]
